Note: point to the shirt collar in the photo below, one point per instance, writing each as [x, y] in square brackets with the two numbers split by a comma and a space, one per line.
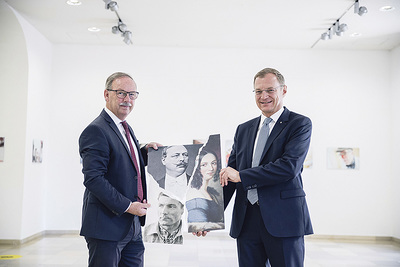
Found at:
[274, 116]
[167, 237]
[116, 120]
[181, 179]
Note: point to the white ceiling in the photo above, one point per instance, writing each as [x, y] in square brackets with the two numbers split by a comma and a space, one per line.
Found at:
[289, 24]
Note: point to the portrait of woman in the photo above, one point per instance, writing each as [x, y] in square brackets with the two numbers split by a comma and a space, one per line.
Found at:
[204, 200]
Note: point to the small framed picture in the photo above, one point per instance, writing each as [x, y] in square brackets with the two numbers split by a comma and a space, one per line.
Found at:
[343, 158]
[37, 151]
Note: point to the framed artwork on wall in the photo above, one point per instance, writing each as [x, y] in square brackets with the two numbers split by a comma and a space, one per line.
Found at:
[2, 149]
[37, 151]
[343, 158]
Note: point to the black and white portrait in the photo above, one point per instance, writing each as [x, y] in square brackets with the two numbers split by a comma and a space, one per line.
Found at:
[167, 228]
[172, 166]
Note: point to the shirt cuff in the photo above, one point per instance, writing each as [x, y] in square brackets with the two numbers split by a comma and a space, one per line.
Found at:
[128, 207]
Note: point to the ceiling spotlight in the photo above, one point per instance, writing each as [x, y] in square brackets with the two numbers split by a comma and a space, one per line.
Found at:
[324, 36]
[122, 26]
[331, 32]
[113, 6]
[115, 30]
[340, 28]
[343, 27]
[127, 37]
[336, 26]
[360, 10]
[106, 2]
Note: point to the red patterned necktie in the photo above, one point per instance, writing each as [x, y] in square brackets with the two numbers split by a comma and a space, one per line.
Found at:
[135, 162]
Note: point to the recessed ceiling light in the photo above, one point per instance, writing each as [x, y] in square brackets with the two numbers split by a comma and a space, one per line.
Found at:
[74, 2]
[355, 34]
[387, 8]
[94, 29]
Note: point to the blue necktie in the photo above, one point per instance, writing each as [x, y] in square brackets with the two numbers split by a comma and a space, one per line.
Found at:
[252, 195]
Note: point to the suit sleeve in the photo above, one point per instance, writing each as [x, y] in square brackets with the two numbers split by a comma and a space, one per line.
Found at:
[284, 159]
[95, 151]
[143, 151]
[229, 190]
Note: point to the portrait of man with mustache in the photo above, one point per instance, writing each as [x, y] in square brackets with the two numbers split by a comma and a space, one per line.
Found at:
[176, 160]
[168, 228]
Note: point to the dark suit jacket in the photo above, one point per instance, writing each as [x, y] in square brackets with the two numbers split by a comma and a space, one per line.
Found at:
[110, 179]
[278, 178]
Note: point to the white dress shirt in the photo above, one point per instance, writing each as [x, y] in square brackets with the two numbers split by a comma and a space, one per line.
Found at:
[177, 185]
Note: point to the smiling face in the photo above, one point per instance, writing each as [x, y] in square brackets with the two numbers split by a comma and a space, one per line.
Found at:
[120, 107]
[269, 103]
[208, 166]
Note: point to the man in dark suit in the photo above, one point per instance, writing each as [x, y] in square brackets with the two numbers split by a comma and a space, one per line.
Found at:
[273, 228]
[114, 202]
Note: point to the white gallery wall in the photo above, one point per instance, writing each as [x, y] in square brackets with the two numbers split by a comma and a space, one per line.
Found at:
[190, 93]
[395, 98]
[13, 78]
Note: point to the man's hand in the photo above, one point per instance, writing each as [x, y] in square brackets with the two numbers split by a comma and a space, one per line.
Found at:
[139, 209]
[201, 233]
[229, 174]
[154, 145]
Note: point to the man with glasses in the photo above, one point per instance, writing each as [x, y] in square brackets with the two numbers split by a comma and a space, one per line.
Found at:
[114, 202]
[270, 216]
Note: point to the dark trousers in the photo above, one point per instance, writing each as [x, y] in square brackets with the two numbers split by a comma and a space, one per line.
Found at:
[124, 253]
[256, 246]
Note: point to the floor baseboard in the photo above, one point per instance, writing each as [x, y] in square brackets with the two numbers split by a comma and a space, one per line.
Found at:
[17, 242]
[341, 238]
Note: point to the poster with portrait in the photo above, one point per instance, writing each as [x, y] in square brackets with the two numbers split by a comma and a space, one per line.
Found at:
[2, 149]
[37, 151]
[308, 162]
[184, 191]
[343, 158]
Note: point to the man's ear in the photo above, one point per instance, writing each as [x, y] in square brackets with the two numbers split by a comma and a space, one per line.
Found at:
[284, 90]
[106, 95]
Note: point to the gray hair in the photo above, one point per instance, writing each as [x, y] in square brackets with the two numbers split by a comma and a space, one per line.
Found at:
[115, 76]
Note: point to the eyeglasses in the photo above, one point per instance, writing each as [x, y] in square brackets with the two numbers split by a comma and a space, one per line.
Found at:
[122, 94]
[269, 91]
